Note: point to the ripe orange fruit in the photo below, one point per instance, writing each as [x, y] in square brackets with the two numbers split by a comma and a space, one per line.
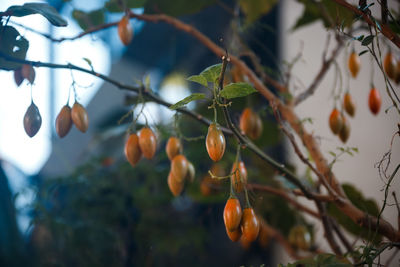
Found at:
[215, 142]
[173, 148]
[32, 120]
[299, 237]
[374, 101]
[335, 121]
[389, 66]
[249, 225]
[345, 130]
[125, 30]
[349, 105]
[147, 142]
[354, 64]
[239, 177]
[132, 149]
[232, 214]
[18, 78]
[63, 121]
[28, 72]
[234, 235]
[80, 117]
[250, 124]
[175, 187]
[179, 167]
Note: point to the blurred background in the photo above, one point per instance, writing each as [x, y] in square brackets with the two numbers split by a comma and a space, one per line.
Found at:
[77, 202]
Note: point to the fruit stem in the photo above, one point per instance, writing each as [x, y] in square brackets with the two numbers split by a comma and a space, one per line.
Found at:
[246, 194]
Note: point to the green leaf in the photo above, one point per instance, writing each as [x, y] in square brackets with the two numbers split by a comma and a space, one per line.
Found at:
[13, 45]
[47, 11]
[114, 6]
[234, 90]
[212, 73]
[367, 40]
[254, 9]
[176, 7]
[186, 100]
[362, 52]
[365, 204]
[198, 79]
[90, 19]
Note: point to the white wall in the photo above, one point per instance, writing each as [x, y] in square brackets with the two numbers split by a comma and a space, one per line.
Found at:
[371, 134]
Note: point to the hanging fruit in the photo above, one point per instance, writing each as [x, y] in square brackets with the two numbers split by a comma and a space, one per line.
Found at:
[63, 121]
[215, 142]
[249, 225]
[232, 214]
[173, 148]
[374, 101]
[234, 235]
[348, 104]
[147, 142]
[28, 72]
[250, 124]
[345, 130]
[354, 64]
[132, 150]
[239, 176]
[179, 168]
[80, 117]
[299, 237]
[175, 186]
[18, 78]
[389, 65]
[125, 30]
[335, 121]
[32, 120]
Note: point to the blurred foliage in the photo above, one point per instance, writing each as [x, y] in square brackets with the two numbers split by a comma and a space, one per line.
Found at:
[326, 260]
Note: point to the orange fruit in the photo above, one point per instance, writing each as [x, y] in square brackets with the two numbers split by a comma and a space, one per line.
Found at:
[239, 176]
[354, 64]
[232, 214]
[125, 30]
[28, 72]
[374, 101]
[18, 78]
[234, 235]
[132, 149]
[80, 117]
[335, 121]
[173, 148]
[345, 130]
[179, 167]
[63, 121]
[175, 187]
[389, 66]
[147, 142]
[349, 105]
[249, 225]
[215, 142]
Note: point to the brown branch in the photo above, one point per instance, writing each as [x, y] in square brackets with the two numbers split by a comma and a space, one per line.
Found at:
[326, 63]
[385, 29]
[341, 236]
[284, 195]
[319, 197]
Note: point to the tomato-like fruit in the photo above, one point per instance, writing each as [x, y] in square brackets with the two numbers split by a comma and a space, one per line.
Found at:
[389, 66]
[299, 237]
[354, 64]
[232, 214]
[249, 225]
[173, 148]
[215, 142]
[63, 121]
[349, 105]
[335, 121]
[234, 235]
[239, 176]
[345, 131]
[179, 167]
[28, 72]
[250, 124]
[18, 78]
[125, 30]
[80, 117]
[32, 120]
[175, 186]
[374, 101]
[132, 149]
[147, 142]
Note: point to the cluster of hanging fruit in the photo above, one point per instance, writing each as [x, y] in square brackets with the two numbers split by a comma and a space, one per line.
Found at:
[67, 116]
[144, 143]
[181, 170]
